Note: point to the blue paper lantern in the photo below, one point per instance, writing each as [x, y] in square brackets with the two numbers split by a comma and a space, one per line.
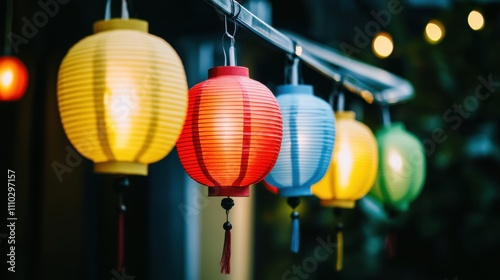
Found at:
[306, 147]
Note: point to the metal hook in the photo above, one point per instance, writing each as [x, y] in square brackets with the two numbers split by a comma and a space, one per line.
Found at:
[226, 32]
[232, 50]
[233, 9]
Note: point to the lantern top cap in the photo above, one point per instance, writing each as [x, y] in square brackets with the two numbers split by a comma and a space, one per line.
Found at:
[295, 89]
[121, 24]
[396, 125]
[228, 71]
[345, 115]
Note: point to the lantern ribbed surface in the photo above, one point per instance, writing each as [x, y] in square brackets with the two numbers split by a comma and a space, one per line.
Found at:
[354, 164]
[232, 134]
[308, 139]
[13, 78]
[402, 164]
[122, 97]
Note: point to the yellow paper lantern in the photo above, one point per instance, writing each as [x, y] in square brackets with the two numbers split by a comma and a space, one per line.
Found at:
[353, 167]
[122, 96]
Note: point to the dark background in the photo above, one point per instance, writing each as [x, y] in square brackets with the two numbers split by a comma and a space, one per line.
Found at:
[66, 230]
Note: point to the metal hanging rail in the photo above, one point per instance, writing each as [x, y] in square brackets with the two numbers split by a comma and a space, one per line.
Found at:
[362, 79]
[243, 17]
[389, 88]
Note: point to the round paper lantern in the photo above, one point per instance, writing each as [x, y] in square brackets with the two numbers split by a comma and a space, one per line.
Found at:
[122, 96]
[13, 78]
[353, 167]
[232, 134]
[308, 138]
[401, 173]
[231, 138]
[306, 149]
[351, 173]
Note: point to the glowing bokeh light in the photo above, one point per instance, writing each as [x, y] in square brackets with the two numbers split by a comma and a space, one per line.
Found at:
[434, 31]
[475, 20]
[382, 45]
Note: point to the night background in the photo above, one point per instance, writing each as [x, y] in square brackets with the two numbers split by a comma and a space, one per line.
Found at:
[66, 226]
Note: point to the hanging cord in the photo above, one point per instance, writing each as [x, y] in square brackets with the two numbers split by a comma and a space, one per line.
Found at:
[332, 95]
[295, 237]
[124, 10]
[337, 92]
[386, 115]
[340, 102]
[121, 183]
[9, 10]
[337, 213]
[225, 262]
[292, 70]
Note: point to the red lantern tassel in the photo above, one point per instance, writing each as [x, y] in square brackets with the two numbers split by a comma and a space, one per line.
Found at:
[121, 184]
[390, 244]
[120, 253]
[225, 262]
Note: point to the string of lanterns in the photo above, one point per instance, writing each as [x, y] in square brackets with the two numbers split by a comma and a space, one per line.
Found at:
[124, 103]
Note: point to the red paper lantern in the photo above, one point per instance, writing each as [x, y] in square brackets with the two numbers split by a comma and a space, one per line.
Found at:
[270, 188]
[13, 78]
[232, 134]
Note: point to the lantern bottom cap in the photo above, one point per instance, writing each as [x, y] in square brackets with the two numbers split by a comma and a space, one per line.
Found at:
[401, 207]
[121, 167]
[229, 191]
[294, 191]
[338, 203]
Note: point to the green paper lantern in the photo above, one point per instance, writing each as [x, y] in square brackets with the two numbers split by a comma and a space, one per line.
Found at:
[401, 173]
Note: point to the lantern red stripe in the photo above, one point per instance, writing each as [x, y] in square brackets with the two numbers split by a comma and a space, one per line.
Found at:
[247, 130]
[196, 138]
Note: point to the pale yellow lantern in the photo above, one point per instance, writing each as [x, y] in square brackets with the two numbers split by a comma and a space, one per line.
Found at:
[122, 96]
[353, 167]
